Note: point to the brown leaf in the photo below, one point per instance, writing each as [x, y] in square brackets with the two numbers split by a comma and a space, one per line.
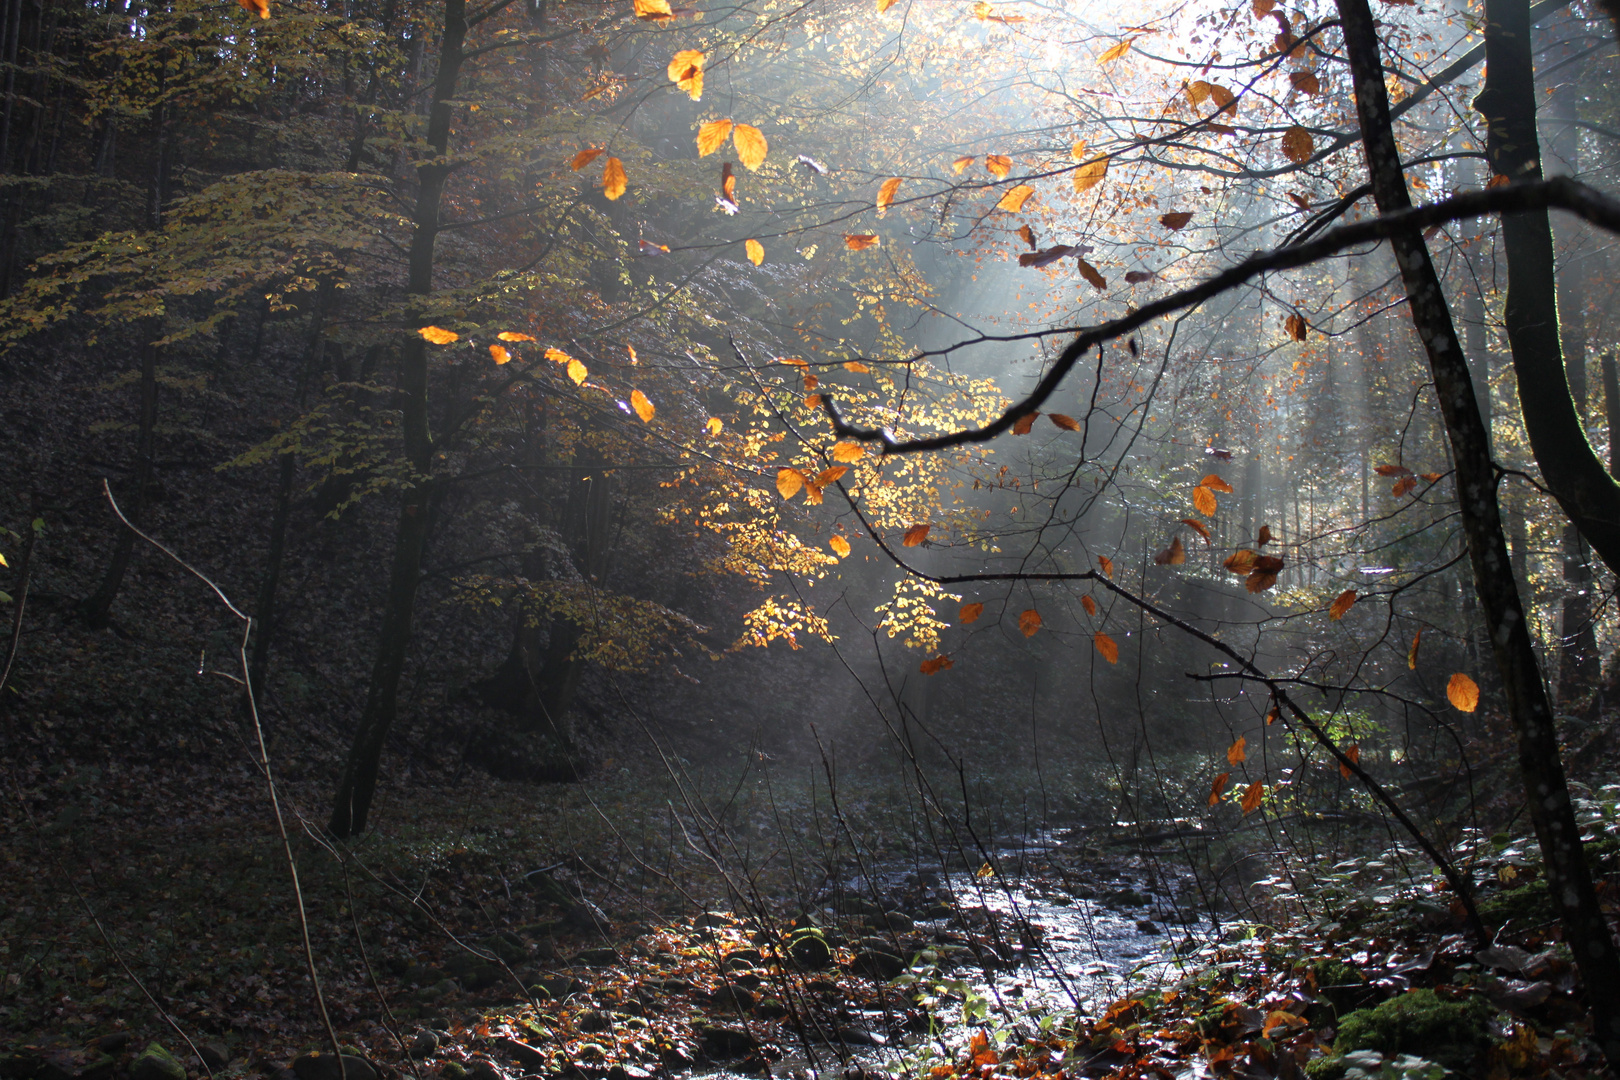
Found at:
[848, 451]
[1029, 622]
[1463, 692]
[712, 136]
[1269, 564]
[839, 545]
[1214, 482]
[1175, 221]
[1107, 646]
[499, 354]
[1404, 485]
[1241, 561]
[686, 72]
[1295, 326]
[1353, 752]
[1090, 273]
[653, 9]
[755, 250]
[1217, 787]
[936, 665]
[1198, 527]
[1306, 82]
[1343, 604]
[1392, 470]
[961, 163]
[438, 335]
[1259, 581]
[1089, 604]
[970, 613]
[643, 407]
[915, 535]
[1106, 565]
[1297, 145]
[1251, 797]
[1412, 653]
[999, 165]
[1027, 234]
[1115, 52]
[1136, 277]
[1022, 425]
[1237, 752]
[1067, 423]
[1265, 536]
[1431, 477]
[832, 475]
[1044, 258]
[1174, 555]
[261, 8]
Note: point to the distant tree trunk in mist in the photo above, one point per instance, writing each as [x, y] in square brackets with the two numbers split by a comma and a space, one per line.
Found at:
[359, 780]
[96, 608]
[1569, 879]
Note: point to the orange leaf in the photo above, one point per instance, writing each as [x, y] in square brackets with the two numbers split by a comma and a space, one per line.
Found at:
[728, 186]
[1251, 797]
[1305, 82]
[1412, 653]
[839, 545]
[1241, 561]
[508, 335]
[915, 535]
[1090, 273]
[643, 407]
[756, 251]
[1353, 752]
[1175, 221]
[1431, 477]
[714, 425]
[1090, 175]
[1272, 714]
[1027, 235]
[1237, 751]
[499, 354]
[614, 181]
[860, 241]
[1498, 181]
[584, 158]
[1297, 145]
[1106, 565]
[1089, 604]
[1174, 555]
[1404, 485]
[751, 145]
[848, 451]
[1463, 692]
[261, 8]
[1295, 327]
[885, 5]
[1392, 470]
[1342, 604]
[961, 163]
[788, 482]
[936, 665]
[1204, 500]
[1217, 787]
[439, 335]
[812, 401]
[1022, 425]
[1115, 52]
[812, 493]
[1029, 622]
[1014, 200]
[686, 72]
[1107, 646]
[885, 194]
[832, 475]
[999, 165]
[1198, 527]
[970, 613]
[1265, 536]
[558, 356]
[1067, 423]
[653, 9]
[1215, 483]
[577, 371]
[712, 136]
[857, 367]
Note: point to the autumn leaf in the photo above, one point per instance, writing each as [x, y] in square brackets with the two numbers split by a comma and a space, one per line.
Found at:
[1353, 752]
[1090, 273]
[1241, 561]
[1027, 235]
[970, 613]
[438, 335]
[1265, 536]
[1295, 326]
[499, 355]
[1024, 424]
[1214, 482]
[848, 451]
[1431, 477]
[812, 401]
[1404, 485]
[1090, 175]
[885, 194]
[1067, 423]
[1198, 527]
[712, 136]
[1105, 645]
[1306, 82]
[715, 425]
[1029, 622]
[1106, 565]
[999, 165]
[614, 181]
[1115, 52]
[751, 145]
[857, 367]
[1392, 470]
[577, 371]
[756, 251]
[1269, 564]
[643, 407]
[961, 163]
[885, 5]
[1297, 145]
[1039, 259]
[860, 241]
[1204, 500]
[915, 535]
[728, 187]
[1175, 221]
[686, 72]
[812, 493]
[1174, 555]
[1251, 797]
[508, 335]
[1218, 787]
[1236, 752]
[653, 9]
[788, 482]
[261, 8]
[830, 476]
[936, 665]
[1412, 653]
[1014, 200]
[1198, 92]
[1089, 604]
[1463, 693]
[1343, 604]
[1260, 580]
[557, 356]
[1136, 277]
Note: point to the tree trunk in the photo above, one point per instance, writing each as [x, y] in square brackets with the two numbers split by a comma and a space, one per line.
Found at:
[1611, 410]
[359, 780]
[97, 607]
[1569, 879]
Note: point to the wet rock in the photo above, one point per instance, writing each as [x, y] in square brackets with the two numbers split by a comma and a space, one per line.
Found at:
[855, 905]
[770, 1009]
[484, 1069]
[603, 957]
[530, 1059]
[810, 950]
[1128, 898]
[1147, 926]
[593, 1020]
[215, 1055]
[721, 1041]
[330, 1067]
[744, 958]
[856, 1036]
[114, 1043]
[750, 980]
[733, 997]
[155, 1063]
[897, 921]
[675, 986]
[453, 1070]
[425, 1044]
[711, 920]
[442, 988]
[824, 986]
[555, 989]
[877, 965]
[99, 1069]
[939, 911]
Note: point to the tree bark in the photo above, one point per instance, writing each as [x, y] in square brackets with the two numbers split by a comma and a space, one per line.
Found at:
[96, 609]
[1547, 794]
[359, 781]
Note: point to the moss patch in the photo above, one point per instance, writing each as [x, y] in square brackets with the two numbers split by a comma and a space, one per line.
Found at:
[1421, 1023]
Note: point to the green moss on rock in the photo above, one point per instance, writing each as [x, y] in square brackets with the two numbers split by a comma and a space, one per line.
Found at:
[1420, 1023]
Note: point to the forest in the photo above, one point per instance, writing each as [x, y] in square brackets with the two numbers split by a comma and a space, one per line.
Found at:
[821, 539]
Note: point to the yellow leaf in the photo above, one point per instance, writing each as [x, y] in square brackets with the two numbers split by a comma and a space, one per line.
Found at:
[751, 145]
[1217, 787]
[261, 8]
[1067, 423]
[1116, 51]
[577, 371]
[812, 493]
[712, 136]
[1090, 174]
[643, 407]
[498, 354]
[936, 665]
[970, 613]
[1029, 622]
[1106, 565]
[1214, 482]
[558, 356]
[1353, 752]
[885, 5]
[1089, 604]
[1412, 653]
[848, 451]
[915, 535]
[1463, 692]
[985, 871]
[788, 482]
[839, 545]
[686, 72]
[1297, 145]
[509, 335]
[1078, 150]
[1342, 604]
[438, 335]
[653, 9]
[860, 241]
[885, 194]
[756, 251]
[613, 179]
[999, 165]
[1107, 646]
[715, 425]
[961, 163]
[1237, 751]
[1014, 200]
[1306, 82]
[1204, 500]
[1251, 797]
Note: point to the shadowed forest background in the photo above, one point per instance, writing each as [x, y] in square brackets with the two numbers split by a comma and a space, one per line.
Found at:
[575, 539]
